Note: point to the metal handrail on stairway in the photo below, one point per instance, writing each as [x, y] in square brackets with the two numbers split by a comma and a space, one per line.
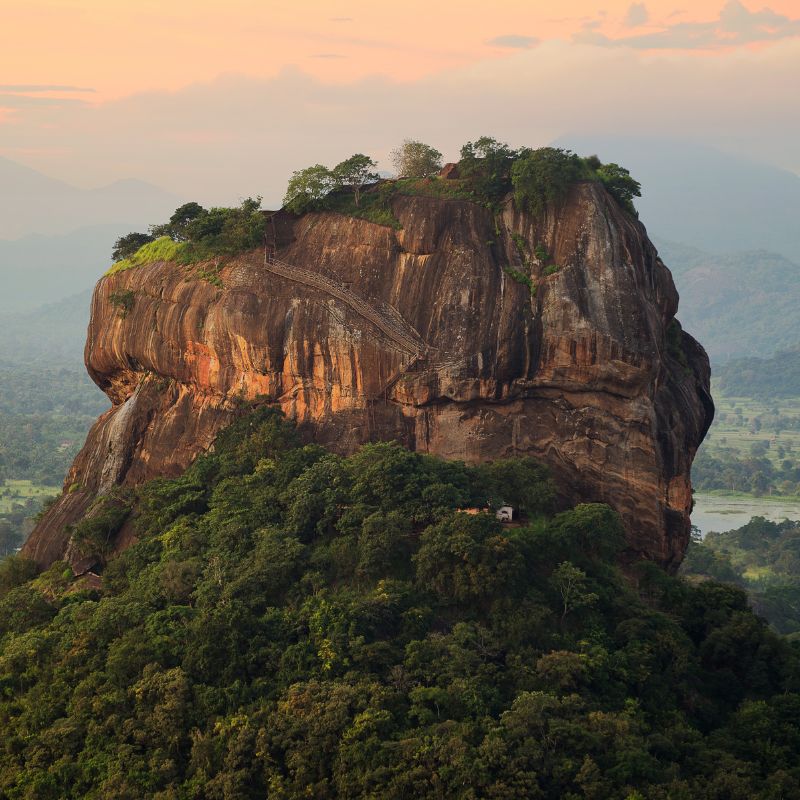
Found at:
[402, 338]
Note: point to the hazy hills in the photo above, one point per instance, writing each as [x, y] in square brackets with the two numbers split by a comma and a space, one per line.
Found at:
[768, 378]
[37, 270]
[55, 239]
[739, 304]
[51, 335]
[706, 198]
[31, 202]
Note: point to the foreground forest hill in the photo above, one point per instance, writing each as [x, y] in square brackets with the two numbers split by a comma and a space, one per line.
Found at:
[294, 623]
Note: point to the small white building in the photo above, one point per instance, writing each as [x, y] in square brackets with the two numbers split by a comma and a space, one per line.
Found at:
[504, 514]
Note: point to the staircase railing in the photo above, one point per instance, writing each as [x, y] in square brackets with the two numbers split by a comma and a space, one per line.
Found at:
[390, 327]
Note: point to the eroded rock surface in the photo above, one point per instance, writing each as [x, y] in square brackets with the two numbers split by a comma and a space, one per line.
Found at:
[591, 374]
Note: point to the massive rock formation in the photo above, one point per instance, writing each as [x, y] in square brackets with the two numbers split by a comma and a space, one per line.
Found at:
[363, 332]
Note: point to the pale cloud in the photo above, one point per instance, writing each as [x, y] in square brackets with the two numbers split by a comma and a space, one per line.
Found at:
[12, 100]
[255, 132]
[637, 15]
[32, 88]
[735, 26]
[514, 41]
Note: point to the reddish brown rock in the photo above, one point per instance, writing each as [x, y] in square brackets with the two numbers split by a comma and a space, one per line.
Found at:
[449, 171]
[583, 375]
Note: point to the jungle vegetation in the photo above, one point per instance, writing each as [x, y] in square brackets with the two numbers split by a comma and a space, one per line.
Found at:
[486, 172]
[297, 624]
[193, 234]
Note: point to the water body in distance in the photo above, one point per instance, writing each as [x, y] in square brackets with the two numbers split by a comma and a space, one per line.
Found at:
[719, 513]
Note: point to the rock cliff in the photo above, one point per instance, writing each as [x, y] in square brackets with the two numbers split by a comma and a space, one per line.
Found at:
[363, 332]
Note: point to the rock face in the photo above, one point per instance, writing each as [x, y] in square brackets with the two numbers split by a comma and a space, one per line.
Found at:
[362, 332]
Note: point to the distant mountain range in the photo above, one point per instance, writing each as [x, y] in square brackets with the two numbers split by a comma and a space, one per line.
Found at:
[703, 197]
[737, 267]
[56, 239]
[51, 335]
[31, 202]
[36, 270]
[739, 304]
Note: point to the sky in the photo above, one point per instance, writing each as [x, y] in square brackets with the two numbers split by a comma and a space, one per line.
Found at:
[220, 100]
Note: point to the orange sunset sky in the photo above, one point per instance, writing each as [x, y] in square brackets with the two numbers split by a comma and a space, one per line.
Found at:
[205, 94]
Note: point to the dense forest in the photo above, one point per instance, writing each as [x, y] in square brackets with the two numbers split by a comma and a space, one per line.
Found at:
[292, 623]
[764, 558]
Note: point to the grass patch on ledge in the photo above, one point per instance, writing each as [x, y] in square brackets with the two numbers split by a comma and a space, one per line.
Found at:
[374, 207]
[194, 234]
[162, 249]
[435, 186]
[165, 249]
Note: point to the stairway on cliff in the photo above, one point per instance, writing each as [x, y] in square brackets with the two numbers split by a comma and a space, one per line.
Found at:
[387, 320]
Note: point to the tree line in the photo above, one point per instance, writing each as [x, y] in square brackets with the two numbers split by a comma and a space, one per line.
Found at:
[754, 474]
[487, 168]
[768, 378]
[486, 172]
[194, 233]
[762, 557]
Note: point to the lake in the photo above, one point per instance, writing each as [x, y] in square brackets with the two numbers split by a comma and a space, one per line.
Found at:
[715, 513]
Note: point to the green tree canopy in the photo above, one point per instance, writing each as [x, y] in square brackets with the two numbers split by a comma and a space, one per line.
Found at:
[571, 585]
[127, 245]
[543, 177]
[620, 185]
[178, 227]
[486, 163]
[520, 482]
[307, 187]
[355, 172]
[194, 233]
[413, 159]
[295, 623]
